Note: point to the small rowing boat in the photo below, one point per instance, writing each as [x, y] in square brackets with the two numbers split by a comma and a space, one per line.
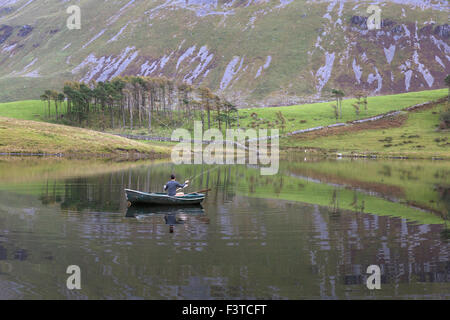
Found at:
[138, 197]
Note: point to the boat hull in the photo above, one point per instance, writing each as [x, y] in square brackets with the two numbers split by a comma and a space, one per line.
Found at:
[138, 197]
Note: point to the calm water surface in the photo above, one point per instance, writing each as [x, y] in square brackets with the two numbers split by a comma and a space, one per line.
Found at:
[309, 232]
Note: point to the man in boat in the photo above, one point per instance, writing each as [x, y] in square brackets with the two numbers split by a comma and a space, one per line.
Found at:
[173, 185]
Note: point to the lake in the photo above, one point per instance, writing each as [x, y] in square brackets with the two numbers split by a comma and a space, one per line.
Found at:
[309, 232]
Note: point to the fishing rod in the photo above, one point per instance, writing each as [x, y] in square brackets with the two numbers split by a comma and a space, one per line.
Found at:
[201, 173]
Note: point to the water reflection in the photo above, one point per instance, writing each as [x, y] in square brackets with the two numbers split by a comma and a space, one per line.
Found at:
[172, 215]
[281, 237]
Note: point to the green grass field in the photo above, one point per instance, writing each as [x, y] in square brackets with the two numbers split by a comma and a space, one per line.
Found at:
[315, 114]
[322, 114]
[417, 137]
[36, 110]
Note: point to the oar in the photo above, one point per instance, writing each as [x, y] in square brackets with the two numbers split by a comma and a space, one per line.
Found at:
[200, 191]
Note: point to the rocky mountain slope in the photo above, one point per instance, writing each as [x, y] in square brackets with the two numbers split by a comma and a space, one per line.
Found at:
[258, 52]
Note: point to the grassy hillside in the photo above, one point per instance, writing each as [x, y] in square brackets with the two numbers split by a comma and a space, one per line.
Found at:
[23, 136]
[322, 114]
[273, 52]
[412, 134]
[29, 110]
[415, 135]
[297, 116]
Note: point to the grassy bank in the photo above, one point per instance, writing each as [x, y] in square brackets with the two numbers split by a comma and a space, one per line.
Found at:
[321, 114]
[23, 136]
[297, 116]
[412, 134]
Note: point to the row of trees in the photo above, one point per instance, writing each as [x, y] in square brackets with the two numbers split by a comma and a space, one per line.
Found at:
[132, 102]
[51, 95]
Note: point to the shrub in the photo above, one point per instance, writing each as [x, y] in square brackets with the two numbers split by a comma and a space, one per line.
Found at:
[387, 139]
[445, 119]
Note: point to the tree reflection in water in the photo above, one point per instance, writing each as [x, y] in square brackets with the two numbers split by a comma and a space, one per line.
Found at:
[255, 237]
